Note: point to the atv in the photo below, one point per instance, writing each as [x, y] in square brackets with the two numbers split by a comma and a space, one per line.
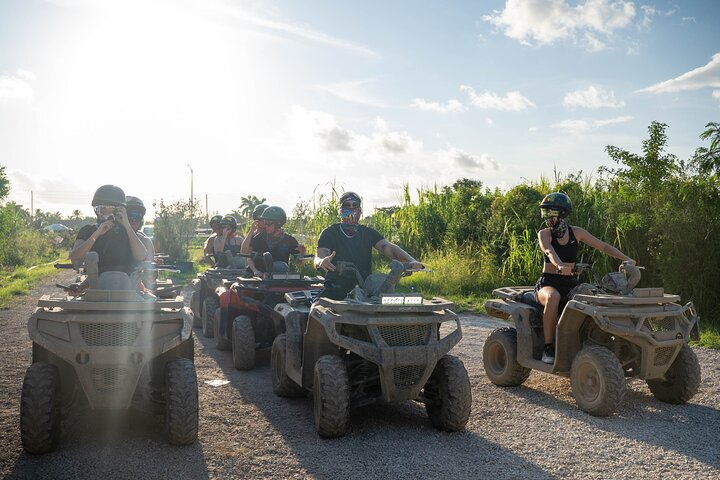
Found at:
[375, 345]
[246, 320]
[608, 330]
[111, 347]
[205, 298]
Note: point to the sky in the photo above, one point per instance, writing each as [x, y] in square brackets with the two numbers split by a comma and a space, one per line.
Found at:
[286, 99]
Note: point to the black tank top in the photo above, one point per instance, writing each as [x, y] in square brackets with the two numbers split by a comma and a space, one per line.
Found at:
[567, 252]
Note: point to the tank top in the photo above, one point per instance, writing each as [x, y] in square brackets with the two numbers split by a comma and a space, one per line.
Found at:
[567, 252]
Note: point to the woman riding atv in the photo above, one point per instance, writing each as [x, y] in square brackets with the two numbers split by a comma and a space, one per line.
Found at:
[559, 245]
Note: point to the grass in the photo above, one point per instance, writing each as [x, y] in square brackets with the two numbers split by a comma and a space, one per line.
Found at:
[17, 282]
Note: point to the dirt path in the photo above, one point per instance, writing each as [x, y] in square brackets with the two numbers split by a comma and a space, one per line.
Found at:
[534, 431]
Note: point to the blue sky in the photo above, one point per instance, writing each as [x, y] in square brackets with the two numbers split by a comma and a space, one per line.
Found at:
[281, 98]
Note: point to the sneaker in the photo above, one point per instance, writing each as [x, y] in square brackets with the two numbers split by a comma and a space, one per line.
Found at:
[548, 358]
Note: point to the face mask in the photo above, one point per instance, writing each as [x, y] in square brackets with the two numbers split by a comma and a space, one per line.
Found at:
[350, 216]
[560, 227]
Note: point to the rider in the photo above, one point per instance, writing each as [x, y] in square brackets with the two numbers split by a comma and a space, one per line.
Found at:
[228, 241]
[209, 247]
[113, 238]
[559, 245]
[348, 241]
[270, 237]
[136, 213]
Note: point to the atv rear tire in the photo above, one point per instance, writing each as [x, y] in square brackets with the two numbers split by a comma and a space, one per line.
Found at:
[196, 308]
[243, 343]
[597, 380]
[681, 381]
[181, 402]
[500, 359]
[209, 306]
[449, 395]
[221, 343]
[39, 408]
[283, 385]
[331, 396]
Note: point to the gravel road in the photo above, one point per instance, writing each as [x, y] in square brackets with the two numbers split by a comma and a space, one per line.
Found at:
[534, 431]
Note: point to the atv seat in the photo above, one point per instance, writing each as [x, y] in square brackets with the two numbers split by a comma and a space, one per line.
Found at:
[114, 281]
[528, 298]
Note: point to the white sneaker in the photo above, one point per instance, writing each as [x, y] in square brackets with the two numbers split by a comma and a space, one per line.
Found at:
[548, 358]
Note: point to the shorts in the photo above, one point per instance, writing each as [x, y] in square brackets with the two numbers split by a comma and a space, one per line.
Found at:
[562, 283]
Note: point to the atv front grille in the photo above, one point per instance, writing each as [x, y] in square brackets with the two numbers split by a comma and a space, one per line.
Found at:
[408, 375]
[109, 379]
[109, 334]
[662, 324]
[405, 335]
[663, 355]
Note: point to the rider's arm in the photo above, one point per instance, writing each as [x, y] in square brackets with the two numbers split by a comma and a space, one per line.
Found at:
[545, 240]
[137, 248]
[586, 237]
[393, 252]
[83, 245]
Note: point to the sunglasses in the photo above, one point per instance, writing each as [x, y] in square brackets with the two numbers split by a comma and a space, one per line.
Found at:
[135, 216]
[106, 209]
[549, 213]
[268, 223]
[350, 205]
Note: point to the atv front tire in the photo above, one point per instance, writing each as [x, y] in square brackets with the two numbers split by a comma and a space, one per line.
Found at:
[598, 381]
[181, 402]
[221, 343]
[283, 385]
[243, 343]
[196, 308]
[449, 395]
[682, 380]
[331, 396]
[500, 358]
[209, 306]
[39, 408]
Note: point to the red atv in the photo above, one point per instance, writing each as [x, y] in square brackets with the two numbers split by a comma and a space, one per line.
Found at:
[246, 320]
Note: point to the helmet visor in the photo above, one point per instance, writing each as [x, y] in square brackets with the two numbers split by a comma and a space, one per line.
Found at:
[546, 213]
[135, 216]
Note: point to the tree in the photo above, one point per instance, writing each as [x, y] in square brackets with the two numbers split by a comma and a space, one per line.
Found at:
[708, 159]
[76, 215]
[248, 204]
[175, 224]
[651, 169]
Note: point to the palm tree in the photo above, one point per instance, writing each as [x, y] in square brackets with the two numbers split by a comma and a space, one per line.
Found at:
[76, 215]
[248, 204]
[709, 158]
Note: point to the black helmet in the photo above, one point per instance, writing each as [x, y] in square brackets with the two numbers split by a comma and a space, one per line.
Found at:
[109, 195]
[258, 210]
[134, 204]
[215, 219]
[350, 196]
[557, 201]
[274, 214]
[229, 221]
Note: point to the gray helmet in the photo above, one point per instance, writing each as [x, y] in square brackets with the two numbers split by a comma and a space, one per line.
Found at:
[109, 195]
[275, 214]
[258, 210]
[229, 221]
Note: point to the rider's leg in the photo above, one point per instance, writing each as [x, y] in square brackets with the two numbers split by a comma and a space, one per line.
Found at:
[549, 297]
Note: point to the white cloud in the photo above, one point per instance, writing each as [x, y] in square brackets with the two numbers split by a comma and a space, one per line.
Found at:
[316, 132]
[16, 87]
[452, 105]
[592, 43]
[512, 101]
[469, 161]
[707, 76]
[716, 94]
[593, 97]
[581, 126]
[650, 11]
[353, 91]
[545, 22]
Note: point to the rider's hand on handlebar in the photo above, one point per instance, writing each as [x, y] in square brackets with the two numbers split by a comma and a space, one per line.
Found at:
[326, 263]
[413, 266]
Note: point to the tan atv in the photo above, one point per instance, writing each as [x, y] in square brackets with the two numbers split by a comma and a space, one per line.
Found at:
[373, 346]
[112, 348]
[609, 330]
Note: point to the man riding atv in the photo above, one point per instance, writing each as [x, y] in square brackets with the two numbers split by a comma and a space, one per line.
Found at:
[267, 235]
[348, 241]
[209, 247]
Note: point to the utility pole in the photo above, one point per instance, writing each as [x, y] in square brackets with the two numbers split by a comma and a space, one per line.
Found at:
[32, 206]
[207, 216]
